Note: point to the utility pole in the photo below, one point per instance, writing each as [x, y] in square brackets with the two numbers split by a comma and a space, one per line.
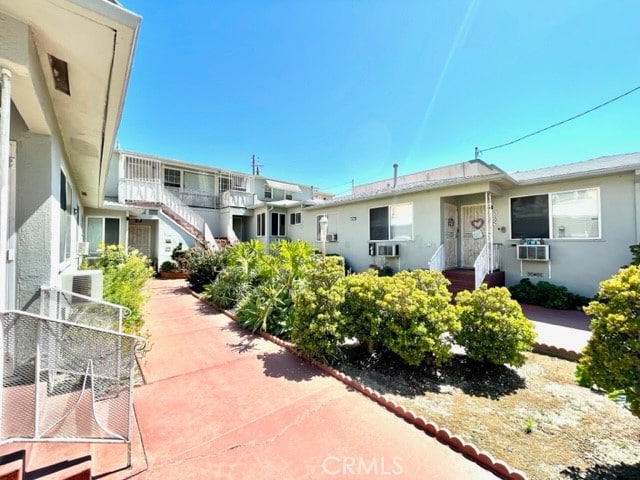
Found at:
[255, 166]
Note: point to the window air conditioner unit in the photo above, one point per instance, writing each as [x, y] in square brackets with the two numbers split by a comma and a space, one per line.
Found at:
[83, 282]
[389, 250]
[332, 237]
[538, 253]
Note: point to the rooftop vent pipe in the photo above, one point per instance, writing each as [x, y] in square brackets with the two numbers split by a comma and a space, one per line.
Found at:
[395, 175]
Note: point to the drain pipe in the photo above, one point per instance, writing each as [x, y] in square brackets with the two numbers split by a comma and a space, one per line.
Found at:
[395, 175]
[5, 123]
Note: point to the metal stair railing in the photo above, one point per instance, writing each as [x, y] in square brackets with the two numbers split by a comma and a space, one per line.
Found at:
[436, 262]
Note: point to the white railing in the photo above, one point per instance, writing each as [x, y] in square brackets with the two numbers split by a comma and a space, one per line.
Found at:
[190, 216]
[231, 198]
[65, 381]
[75, 308]
[437, 259]
[198, 198]
[139, 190]
[488, 260]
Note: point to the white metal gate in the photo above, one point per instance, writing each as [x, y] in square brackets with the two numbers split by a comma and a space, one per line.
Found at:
[450, 236]
[140, 239]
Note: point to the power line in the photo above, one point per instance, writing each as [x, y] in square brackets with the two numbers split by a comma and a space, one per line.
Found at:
[478, 151]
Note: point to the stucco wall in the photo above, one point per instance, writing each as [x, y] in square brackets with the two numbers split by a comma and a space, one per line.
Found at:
[169, 236]
[578, 264]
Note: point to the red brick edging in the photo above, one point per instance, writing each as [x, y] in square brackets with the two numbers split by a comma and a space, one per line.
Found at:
[443, 435]
[557, 351]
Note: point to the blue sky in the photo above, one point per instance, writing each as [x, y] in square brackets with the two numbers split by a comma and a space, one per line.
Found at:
[329, 91]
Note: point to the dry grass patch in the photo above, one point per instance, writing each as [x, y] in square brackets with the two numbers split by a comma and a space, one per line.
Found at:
[535, 418]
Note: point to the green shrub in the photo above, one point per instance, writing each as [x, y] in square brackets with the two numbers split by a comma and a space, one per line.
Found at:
[203, 266]
[267, 308]
[316, 313]
[493, 327]
[168, 266]
[229, 286]
[267, 305]
[611, 358]
[547, 295]
[418, 317]
[124, 277]
[361, 309]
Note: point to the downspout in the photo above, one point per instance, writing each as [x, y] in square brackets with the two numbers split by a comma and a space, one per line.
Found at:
[637, 204]
[5, 124]
[395, 175]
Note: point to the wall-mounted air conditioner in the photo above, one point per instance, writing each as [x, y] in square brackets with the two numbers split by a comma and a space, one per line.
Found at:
[389, 250]
[83, 282]
[538, 253]
[332, 237]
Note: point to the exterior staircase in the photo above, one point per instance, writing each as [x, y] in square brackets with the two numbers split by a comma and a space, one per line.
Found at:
[464, 279]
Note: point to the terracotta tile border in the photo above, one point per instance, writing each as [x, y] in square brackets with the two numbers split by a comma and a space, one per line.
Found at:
[469, 450]
[554, 351]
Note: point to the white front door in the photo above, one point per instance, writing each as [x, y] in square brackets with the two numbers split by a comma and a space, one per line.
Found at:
[473, 231]
[450, 236]
[140, 239]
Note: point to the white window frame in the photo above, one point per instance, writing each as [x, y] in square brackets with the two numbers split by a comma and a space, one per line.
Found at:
[66, 214]
[390, 215]
[171, 171]
[261, 227]
[550, 204]
[280, 226]
[295, 218]
[268, 191]
[102, 231]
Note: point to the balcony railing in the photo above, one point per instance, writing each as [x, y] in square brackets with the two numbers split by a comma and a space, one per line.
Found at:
[231, 198]
[67, 378]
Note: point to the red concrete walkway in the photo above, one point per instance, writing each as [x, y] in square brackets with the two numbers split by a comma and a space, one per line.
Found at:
[220, 403]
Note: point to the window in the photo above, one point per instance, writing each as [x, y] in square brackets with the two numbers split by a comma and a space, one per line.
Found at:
[66, 194]
[102, 230]
[260, 225]
[268, 193]
[278, 224]
[575, 214]
[530, 217]
[295, 218]
[571, 214]
[288, 196]
[394, 222]
[172, 178]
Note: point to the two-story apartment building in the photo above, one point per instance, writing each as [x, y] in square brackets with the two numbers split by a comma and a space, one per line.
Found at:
[154, 204]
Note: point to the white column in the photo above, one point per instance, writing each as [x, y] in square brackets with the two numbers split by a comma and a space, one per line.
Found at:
[5, 123]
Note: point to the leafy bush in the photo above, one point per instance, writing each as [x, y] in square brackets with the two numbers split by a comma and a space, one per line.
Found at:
[203, 266]
[124, 276]
[267, 306]
[362, 310]
[419, 319]
[178, 255]
[611, 358]
[168, 266]
[493, 327]
[229, 286]
[547, 295]
[316, 313]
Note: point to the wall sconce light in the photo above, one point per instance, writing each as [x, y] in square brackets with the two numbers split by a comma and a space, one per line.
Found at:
[353, 219]
[76, 210]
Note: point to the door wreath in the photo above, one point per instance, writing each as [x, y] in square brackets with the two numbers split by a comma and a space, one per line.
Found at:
[477, 223]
